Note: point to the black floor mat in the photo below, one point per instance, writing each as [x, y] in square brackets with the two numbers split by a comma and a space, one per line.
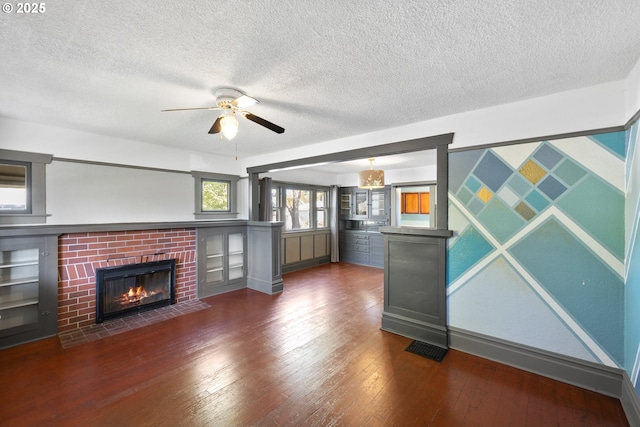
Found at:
[429, 351]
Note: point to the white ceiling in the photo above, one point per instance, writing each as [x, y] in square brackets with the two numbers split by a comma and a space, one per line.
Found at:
[322, 69]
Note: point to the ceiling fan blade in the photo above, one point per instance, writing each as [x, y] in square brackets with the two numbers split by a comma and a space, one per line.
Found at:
[263, 122]
[189, 109]
[244, 101]
[216, 128]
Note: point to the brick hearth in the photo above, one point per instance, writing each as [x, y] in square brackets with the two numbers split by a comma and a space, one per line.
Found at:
[80, 254]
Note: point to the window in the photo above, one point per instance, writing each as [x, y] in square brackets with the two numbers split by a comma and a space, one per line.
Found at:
[301, 207]
[22, 187]
[298, 212]
[321, 217]
[215, 195]
[276, 206]
[15, 180]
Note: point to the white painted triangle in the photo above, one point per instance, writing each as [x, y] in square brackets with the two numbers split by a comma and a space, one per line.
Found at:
[498, 302]
[516, 155]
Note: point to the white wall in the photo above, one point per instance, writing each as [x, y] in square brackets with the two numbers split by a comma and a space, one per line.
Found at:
[243, 199]
[303, 176]
[394, 176]
[633, 92]
[65, 143]
[391, 176]
[79, 193]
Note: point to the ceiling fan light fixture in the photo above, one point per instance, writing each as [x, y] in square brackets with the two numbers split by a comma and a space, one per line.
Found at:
[229, 125]
[371, 178]
[244, 101]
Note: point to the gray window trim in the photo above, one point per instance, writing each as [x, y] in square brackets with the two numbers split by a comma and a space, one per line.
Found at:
[199, 177]
[36, 187]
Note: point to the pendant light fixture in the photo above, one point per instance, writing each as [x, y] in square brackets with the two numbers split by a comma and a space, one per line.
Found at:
[371, 178]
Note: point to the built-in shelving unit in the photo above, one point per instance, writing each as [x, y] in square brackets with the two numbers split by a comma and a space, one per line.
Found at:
[222, 260]
[28, 289]
[215, 258]
[236, 255]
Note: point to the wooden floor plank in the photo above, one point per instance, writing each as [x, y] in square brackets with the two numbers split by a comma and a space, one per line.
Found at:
[311, 356]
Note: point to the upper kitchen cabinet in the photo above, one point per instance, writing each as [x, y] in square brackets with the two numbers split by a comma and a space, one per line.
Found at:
[358, 203]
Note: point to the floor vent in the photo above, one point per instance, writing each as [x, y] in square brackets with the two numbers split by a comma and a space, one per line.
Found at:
[429, 351]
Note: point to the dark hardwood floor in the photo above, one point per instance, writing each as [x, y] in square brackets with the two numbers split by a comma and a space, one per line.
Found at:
[313, 355]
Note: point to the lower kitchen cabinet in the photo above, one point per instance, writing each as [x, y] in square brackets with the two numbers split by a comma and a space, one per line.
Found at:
[358, 247]
[376, 250]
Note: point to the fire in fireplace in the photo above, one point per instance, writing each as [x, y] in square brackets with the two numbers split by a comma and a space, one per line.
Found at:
[132, 288]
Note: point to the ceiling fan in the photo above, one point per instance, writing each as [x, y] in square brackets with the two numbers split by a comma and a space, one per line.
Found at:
[232, 101]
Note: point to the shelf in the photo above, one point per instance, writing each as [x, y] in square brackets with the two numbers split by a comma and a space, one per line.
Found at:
[19, 264]
[221, 267]
[22, 281]
[17, 304]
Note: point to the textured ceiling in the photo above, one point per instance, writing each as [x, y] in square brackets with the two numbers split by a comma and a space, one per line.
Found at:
[322, 69]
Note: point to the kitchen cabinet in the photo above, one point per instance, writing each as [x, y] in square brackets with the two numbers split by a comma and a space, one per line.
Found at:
[354, 247]
[354, 203]
[380, 204]
[346, 203]
[415, 203]
[358, 203]
[365, 248]
[362, 212]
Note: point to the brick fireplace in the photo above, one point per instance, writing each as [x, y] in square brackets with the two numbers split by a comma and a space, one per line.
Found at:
[80, 254]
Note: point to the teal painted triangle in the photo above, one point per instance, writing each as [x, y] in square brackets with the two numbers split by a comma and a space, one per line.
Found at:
[578, 280]
[612, 141]
[501, 221]
[469, 248]
[597, 208]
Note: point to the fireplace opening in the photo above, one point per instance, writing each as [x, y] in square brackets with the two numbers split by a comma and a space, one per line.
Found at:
[132, 288]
